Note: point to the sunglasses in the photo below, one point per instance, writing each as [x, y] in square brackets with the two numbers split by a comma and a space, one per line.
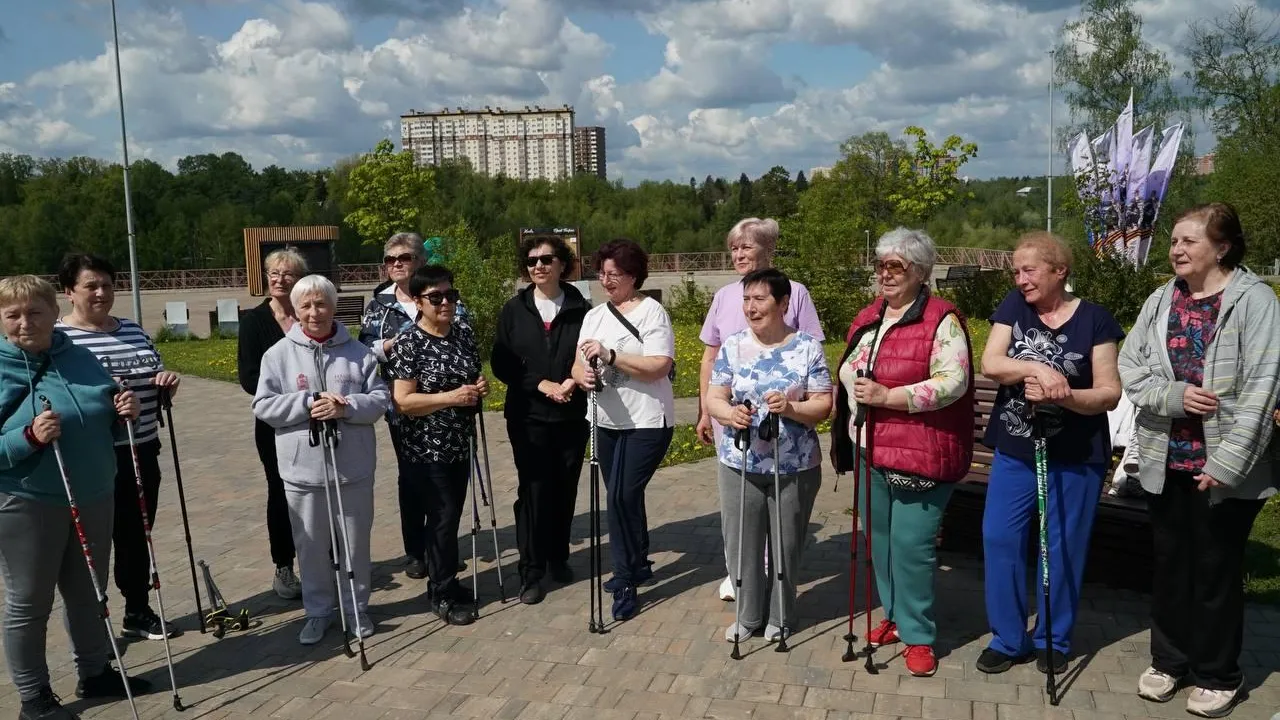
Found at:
[437, 298]
[893, 267]
[535, 259]
[405, 258]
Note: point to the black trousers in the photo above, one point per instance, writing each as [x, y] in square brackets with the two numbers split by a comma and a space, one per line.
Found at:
[441, 490]
[133, 562]
[413, 515]
[279, 528]
[548, 460]
[628, 460]
[1197, 606]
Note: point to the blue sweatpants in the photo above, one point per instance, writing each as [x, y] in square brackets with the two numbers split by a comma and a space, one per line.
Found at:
[1008, 523]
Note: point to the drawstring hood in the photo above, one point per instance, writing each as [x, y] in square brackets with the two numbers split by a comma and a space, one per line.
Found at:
[57, 347]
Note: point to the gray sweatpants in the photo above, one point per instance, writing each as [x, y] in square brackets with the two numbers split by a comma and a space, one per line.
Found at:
[307, 510]
[799, 491]
[39, 551]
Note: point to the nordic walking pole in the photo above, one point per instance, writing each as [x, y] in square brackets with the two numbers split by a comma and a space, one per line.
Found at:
[88, 561]
[151, 556]
[773, 424]
[487, 477]
[849, 653]
[870, 665]
[1042, 500]
[475, 529]
[741, 440]
[595, 610]
[319, 430]
[166, 403]
[331, 448]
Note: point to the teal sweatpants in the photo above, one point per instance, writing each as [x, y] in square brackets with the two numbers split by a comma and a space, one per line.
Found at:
[904, 527]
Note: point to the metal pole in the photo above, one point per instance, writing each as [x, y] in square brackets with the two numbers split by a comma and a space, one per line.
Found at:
[867, 249]
[128, 197]
[1049, 193]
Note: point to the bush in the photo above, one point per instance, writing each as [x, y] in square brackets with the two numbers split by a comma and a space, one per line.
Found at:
[690, 302]
[1114, 284]
[838, 289]
[486, 283]
[978, 297]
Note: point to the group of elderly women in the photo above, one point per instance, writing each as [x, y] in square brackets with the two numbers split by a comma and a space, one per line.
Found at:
[1201, 365]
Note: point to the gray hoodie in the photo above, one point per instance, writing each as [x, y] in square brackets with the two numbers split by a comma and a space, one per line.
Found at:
[1241, 365]
[286, 385]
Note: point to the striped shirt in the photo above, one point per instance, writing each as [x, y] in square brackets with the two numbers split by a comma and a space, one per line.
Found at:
[128, 354]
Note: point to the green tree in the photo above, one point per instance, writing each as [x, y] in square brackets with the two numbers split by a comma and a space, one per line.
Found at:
[485, 282]
[774, 195]
[1235, 60]
[387, 193]
[802, 183]
[929, 175]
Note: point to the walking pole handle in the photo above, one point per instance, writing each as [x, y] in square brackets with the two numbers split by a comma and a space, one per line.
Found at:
[314, 439]
[742, 438]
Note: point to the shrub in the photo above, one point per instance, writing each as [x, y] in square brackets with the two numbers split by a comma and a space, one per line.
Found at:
[690, 302]
[486, 283]
[1114, 284]
[839, 288]
[978, 297]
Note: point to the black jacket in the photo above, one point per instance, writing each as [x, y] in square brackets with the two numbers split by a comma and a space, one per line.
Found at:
[525, 354]
[258, 332]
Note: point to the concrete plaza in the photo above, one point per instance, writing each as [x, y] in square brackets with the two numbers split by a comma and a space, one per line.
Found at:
[540, 663]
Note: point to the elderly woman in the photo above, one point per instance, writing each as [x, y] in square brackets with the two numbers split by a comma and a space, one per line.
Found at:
[631, 341]
[128, 355]
[752, 243]
[319, 356]
[1204, 423]
[261, 328]
[435, 367]
[1053, 354]
[782, 372]
[918, 429]
[533, 354]
[39, 548]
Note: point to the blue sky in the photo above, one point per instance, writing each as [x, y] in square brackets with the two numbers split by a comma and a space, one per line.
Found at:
[683, 87]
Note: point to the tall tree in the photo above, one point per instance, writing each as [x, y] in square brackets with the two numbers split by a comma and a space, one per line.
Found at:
[745, 201]
[774, 195]
[1099, 58]
[929, 174]
[387, 193]
[1235, 61]
[802, 183]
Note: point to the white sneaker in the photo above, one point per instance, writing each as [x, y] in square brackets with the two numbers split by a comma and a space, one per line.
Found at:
[313, 630]
[1156, 686]
[744, 633]
[286, 584]
[726, 589]
[366, 625]
[1214, 703]
[773, 633]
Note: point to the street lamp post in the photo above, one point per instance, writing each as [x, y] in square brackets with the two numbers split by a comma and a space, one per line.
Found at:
[1049, 200]
[128, 197]
[867, 249]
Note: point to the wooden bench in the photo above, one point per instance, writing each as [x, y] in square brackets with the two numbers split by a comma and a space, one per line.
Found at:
[957, 275]
[1120, 551]
[350, 309]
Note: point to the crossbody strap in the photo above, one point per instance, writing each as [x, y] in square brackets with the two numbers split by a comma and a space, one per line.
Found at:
[625, 323]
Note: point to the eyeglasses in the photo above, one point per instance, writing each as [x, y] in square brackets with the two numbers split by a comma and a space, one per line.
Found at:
[612, 276]
[437, 298]
[893, 267]
[276, 275]
[405, 258]
[535, 259]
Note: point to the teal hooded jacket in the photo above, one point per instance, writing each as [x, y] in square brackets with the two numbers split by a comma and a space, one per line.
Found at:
[81, 392]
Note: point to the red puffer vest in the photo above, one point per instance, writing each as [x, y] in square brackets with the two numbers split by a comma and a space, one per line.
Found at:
[936, 444]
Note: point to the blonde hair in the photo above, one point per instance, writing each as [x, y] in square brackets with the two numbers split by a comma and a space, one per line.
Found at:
[410, 240]
[1052, 249]
[763, 232]
[25, 288]
[286, 256]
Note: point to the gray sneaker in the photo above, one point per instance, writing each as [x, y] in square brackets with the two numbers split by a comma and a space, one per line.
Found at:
[1214, 703]
[366, 625]
[286, 584]
[1156, 686]
[313, 630]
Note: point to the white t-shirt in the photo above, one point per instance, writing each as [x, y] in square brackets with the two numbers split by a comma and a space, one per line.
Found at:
[626, 403]
[409, 309]
[548, 309]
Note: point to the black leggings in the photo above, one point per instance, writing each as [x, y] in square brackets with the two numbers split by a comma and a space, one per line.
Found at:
[279, 529]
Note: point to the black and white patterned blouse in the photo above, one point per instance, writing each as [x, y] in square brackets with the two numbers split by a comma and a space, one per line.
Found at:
[438, 364]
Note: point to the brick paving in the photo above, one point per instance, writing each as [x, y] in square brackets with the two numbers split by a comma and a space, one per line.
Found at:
[540, 663]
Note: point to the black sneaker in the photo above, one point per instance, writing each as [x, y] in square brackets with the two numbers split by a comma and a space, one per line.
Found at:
[45, 706]
[107, 684]
[532, 593]
[145, 624]
[615, 583]
[994, 662]
[454, 613]
[560, 572]
[625, 603]
[417, 569]
[1059, 662]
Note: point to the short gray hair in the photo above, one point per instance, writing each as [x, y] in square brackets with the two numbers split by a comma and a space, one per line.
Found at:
[286, 256]
[762, 232]
[314, 285]
[914, 246]
[411, 240]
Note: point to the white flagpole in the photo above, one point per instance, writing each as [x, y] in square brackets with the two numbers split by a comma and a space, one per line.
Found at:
[1049, 193]
[128, 197]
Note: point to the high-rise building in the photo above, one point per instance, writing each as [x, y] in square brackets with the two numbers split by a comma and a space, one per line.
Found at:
[588, 151]
[529, 144]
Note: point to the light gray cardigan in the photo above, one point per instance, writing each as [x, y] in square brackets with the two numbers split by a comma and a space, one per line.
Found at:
[1240, 366]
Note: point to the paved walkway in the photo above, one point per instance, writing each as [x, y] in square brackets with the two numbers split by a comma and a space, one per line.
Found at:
[540, 663]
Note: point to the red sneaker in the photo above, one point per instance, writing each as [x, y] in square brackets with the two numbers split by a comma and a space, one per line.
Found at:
[886, 633]
[920, 660]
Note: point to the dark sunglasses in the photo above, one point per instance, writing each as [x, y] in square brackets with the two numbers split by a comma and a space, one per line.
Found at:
[535, 259]
[437, 298]
[405, 258]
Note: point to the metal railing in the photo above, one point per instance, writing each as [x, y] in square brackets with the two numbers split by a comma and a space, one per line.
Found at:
[371, 273]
